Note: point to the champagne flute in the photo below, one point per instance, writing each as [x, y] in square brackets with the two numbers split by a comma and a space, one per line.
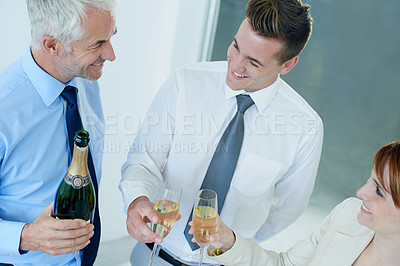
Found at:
[205, 215]
[166, 208]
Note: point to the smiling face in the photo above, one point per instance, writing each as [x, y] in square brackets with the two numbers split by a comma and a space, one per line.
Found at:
[252, 60]
[89, 54]
[378, 211]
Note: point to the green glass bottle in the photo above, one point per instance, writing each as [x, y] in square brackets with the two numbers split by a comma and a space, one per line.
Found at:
[75, 196]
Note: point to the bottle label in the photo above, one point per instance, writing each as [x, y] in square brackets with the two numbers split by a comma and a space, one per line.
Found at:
[76, 181]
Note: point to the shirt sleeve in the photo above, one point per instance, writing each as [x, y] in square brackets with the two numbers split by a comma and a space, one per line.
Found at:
[10, 232]
[293, 191]
[246, 251]
[10, 235]
[142, 171]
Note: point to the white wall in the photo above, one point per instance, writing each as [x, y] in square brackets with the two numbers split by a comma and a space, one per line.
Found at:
[154, 37]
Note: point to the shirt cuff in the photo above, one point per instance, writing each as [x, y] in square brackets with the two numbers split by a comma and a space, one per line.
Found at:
[231, 255]
[10, 234]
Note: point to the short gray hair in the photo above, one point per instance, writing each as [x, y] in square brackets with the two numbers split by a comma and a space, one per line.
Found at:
[61, 19]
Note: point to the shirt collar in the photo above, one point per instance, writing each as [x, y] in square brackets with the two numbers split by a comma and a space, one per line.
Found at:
[47, 86]
[261, 98]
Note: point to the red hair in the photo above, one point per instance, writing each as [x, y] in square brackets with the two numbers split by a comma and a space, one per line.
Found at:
[389, 155]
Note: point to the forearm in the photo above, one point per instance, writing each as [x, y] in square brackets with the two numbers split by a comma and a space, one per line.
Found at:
[137, 180]
[247, 252]
[26, 240]
[142, 171]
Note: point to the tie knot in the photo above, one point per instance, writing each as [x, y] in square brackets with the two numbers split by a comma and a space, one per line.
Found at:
[69, 94]
[243, 102]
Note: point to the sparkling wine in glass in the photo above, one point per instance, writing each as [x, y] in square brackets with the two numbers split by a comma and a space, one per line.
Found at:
[166, 208]
[205, 215]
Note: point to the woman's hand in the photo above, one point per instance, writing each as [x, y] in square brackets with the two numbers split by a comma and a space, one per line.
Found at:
[223, 239]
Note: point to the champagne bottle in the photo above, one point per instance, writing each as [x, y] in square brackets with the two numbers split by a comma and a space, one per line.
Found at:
[75, 196]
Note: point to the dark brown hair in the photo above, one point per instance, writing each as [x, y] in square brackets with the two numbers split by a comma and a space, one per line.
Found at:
[389, 155]
[287, 20]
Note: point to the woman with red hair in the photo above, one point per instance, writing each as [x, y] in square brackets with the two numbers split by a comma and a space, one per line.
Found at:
[364, 231]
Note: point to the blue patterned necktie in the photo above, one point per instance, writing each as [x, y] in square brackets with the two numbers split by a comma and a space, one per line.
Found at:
[74, 123]
[223, 163]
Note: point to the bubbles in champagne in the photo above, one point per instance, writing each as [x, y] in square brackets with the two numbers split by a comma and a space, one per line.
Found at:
[166, 211]
[204, 224]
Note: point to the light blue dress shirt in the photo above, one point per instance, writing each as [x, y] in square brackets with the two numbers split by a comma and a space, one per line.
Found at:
[34, 151]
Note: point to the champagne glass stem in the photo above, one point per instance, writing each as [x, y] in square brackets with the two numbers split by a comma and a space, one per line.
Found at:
[153, 253]
[201, 256]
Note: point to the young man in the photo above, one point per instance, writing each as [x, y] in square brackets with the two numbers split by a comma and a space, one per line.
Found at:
[279, 157]
[70, 43]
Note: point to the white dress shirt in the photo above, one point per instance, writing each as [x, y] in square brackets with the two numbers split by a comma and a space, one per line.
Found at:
[276, 169]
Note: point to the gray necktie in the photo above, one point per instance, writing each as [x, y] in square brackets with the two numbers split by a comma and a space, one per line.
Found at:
[223, 163]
